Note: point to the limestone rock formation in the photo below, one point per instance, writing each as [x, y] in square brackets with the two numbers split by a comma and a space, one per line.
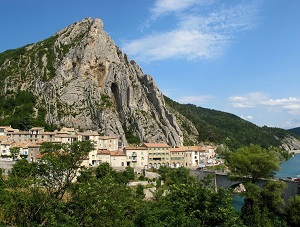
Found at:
[84, 81]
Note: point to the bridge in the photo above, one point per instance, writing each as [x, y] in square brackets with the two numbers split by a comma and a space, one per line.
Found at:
[221, 180]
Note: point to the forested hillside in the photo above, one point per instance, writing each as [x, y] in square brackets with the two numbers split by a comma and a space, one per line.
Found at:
[221, 127]
[295, 131]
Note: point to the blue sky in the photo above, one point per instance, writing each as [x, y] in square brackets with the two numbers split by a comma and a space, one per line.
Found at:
[236, 56]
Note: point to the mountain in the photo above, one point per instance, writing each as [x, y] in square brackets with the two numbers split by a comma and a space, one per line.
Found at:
[295, 130]
[79, 78]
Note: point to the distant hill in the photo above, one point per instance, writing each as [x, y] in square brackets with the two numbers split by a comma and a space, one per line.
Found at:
[295, 131]
[221, 127]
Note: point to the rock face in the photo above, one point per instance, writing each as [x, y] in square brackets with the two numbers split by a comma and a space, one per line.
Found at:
[84, 81]
[290, 143]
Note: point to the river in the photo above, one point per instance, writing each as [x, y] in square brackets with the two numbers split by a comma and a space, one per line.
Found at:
[289, 168]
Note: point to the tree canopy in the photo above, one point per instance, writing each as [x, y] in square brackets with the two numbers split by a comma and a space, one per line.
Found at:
[254, 162]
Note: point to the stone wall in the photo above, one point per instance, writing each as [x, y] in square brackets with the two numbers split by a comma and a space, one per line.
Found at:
[6, 166]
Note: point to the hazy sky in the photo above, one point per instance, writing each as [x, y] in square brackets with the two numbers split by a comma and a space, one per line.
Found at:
[241, 57]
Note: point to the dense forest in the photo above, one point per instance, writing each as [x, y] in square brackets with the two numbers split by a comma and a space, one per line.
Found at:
[225, 128]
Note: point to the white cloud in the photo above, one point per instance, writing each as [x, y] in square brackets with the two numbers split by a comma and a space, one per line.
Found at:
[200, 99]
[200, 31]
[176, 44]
[260, 100]
[166, 6]
[247, 117]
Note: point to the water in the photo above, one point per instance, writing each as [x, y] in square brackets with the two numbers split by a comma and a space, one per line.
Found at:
[290, 168]
[237, 201]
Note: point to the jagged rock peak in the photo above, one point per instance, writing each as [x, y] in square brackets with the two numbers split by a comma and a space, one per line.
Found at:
[83, 80]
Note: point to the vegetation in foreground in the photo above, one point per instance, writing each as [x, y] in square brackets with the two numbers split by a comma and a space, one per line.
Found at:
[45, 193]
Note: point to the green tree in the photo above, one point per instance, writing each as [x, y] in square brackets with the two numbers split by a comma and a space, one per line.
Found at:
[191, 204]
[104, 202]
[104, 170]
[249, 165]
[139, 192]
[60, 164]
[14, 151]
[129, 173]
[292, 214]
[253, 162]
[262, 205]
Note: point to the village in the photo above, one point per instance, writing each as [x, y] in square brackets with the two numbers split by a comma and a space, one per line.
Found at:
[107, 149]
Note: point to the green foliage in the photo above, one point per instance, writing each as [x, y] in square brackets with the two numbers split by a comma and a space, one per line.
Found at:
[17, 110]
[105, 101]
[45, 194]
[129, 173]
[103, 202]
[174, 176]
[59, 164]
[292, 214]
[254, 162]
[225, 128]
[296, 131]
[191, 204]
[131, 139]
[139, 192]
[23, 169]
[263, 205]
[14, 152]
[104, 170]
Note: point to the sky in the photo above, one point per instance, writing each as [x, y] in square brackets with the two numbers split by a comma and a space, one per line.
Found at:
[237, 56]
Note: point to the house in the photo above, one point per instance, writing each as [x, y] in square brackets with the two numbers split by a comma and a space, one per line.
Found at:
[108, 142]
[103, 155]
[24, 150]
[211, 151]
[35, 133]
[65, 138]
[177, 157]
[7, 130]
[118, 159]
[4, 138]
[137, 157]
[33, 151]
[19, 136]
[4, 150]
[69, 131]
[192, 156]
[158, 154]
[48, 136]
[88, 135]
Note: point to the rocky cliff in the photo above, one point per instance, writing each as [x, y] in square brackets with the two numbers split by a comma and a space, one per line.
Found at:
[83, 80]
